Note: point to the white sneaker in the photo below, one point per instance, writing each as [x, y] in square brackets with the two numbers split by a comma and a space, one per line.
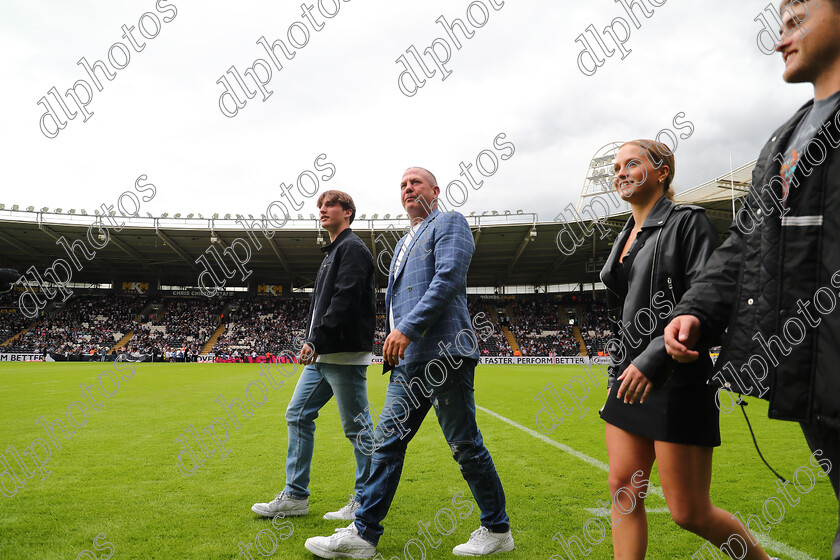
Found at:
[347, 513]
[344, 543]
[482, 543]
[282, 503]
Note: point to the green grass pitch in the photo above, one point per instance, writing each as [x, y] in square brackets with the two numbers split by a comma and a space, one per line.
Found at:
[117, 475]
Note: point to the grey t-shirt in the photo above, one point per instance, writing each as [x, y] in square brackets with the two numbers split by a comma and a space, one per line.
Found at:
[804, 133]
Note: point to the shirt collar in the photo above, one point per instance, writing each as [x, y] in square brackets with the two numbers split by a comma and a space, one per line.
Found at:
[344, 233]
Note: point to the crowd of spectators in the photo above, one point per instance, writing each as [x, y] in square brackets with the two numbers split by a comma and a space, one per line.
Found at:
[263, 325]
[489, 343]
[84, 325]
[595, 327]
[539, 329]
[260, 325]
[12, 321]
[184, 324]
[561, 342]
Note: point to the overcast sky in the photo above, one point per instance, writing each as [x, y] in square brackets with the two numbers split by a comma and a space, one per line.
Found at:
[339, 96]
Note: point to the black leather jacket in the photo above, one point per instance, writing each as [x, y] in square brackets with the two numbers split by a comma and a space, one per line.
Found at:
[676, 241]
[344, 302]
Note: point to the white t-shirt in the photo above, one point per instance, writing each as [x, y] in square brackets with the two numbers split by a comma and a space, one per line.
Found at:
[409, 236]
[347, 358]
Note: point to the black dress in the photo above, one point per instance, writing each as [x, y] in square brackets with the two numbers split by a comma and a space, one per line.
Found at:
[683, 410]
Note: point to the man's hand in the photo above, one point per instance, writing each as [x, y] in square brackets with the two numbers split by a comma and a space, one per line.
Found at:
[394, 348]
[634, 385]
[681, 334]
[307, 354]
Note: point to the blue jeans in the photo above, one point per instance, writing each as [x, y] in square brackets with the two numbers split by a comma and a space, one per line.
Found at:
[410, 396]
[317, 384]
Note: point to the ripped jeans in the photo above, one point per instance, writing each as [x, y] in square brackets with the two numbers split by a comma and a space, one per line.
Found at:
[411, 393]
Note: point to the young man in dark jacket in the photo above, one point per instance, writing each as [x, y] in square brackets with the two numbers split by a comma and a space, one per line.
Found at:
[337, 351]
[774, 282]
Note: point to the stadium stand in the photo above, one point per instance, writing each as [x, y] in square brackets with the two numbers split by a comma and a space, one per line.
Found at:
[261, 325]
[181, 328]
[82, 325]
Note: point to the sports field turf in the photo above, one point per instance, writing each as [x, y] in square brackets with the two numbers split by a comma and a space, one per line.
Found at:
[117, 476]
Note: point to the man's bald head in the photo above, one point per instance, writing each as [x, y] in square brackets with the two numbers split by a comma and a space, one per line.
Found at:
[429, 175]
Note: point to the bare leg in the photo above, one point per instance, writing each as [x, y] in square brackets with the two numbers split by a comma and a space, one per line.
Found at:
[685, 472]
[629, 454]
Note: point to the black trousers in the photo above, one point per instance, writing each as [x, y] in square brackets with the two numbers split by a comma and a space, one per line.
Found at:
[820, 436]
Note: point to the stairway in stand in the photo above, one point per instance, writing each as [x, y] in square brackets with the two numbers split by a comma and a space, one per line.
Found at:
[579, 338]
[122, 342]
[212, 340]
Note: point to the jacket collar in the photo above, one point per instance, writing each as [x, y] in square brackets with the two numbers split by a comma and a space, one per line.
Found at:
[657, 217]
[434, 214]
[330, 246]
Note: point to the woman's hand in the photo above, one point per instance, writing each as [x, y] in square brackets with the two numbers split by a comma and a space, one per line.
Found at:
[634, 385]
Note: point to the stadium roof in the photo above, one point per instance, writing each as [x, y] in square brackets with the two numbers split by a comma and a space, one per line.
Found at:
[511, 249]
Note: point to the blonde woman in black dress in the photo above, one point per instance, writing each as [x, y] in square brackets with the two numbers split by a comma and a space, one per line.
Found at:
[659, 410]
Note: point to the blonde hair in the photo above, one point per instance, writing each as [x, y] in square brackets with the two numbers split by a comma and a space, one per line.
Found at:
[658, 154]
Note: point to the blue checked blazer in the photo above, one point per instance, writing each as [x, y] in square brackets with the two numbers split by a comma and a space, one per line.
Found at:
[428, 293]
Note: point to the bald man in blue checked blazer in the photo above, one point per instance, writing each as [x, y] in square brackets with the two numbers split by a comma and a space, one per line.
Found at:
[431, 352]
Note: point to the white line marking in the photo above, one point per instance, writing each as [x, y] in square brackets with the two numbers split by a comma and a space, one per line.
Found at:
[655, 490]
[45, 382]
[764, 540]
[604, 512]
[778, 546]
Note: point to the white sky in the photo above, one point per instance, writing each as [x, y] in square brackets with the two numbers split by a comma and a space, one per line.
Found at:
[339, 96]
